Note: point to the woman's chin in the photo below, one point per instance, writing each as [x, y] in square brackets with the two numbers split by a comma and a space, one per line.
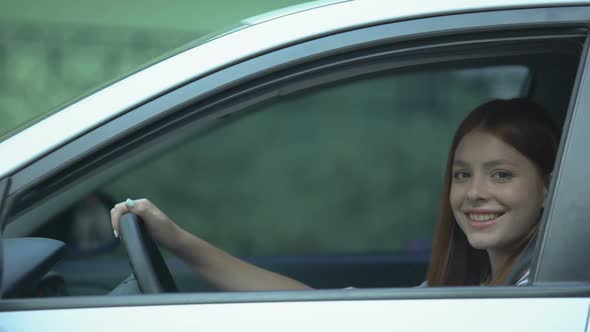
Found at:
[481, 243]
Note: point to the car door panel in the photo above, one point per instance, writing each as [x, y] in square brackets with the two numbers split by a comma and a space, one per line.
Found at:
[542, 314]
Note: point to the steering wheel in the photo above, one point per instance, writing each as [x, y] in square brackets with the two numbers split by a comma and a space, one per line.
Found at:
[150, 270]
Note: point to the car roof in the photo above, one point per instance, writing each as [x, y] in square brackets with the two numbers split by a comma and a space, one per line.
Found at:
[263, 33]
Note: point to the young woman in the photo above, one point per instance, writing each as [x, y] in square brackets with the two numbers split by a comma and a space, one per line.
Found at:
[496, 181]
[495, 189]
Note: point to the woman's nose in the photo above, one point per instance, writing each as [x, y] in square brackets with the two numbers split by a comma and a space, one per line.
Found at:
[477, 189]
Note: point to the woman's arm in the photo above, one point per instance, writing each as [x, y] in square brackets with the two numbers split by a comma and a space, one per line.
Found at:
[227, 272]
[218, 267]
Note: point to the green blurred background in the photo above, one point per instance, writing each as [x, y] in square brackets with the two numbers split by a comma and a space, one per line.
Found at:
[53, 51]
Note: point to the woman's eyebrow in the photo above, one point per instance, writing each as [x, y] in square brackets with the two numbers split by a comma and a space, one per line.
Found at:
[499, 162]
[488, 164]
[458, 162]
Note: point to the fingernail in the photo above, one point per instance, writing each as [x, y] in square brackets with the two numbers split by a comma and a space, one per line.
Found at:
[116, 234]
[130, 203]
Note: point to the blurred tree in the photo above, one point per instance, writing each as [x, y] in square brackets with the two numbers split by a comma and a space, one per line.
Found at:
[54, 51]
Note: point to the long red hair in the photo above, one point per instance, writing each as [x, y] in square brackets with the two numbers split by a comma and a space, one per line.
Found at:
[523, 125]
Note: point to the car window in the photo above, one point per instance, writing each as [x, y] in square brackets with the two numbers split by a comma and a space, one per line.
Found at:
[332, 177]
[334, 168]
[350, 168]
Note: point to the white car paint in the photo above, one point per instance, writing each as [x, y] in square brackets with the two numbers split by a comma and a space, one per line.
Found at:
[465, 315]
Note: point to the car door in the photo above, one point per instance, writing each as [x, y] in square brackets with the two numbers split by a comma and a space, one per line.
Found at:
[319, 90]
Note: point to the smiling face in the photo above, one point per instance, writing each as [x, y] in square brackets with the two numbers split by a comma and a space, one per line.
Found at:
[496, 193]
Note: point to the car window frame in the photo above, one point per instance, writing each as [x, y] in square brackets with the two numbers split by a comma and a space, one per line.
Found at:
[4, 185]
[185, 95]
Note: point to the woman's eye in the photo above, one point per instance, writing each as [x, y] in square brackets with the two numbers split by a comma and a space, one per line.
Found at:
[502, 175]
[460, 175]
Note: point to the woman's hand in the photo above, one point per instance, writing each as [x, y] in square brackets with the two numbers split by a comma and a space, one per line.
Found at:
[163, 230]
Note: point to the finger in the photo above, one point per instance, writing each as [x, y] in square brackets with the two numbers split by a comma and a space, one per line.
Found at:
[140, 206]
[116, 213]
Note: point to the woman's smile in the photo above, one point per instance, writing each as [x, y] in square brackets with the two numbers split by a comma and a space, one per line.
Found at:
[483, 220]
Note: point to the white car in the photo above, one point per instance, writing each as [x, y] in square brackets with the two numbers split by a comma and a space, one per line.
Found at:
[310, 141]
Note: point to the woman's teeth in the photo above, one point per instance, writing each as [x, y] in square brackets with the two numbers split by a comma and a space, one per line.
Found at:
[483, 216]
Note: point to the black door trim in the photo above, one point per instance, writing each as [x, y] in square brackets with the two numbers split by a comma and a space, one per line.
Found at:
[562, 251]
